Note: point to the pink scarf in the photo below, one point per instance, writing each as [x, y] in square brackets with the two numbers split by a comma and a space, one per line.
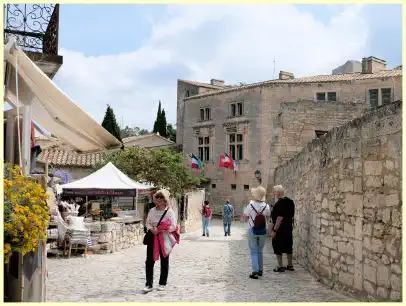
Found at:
[159, 239]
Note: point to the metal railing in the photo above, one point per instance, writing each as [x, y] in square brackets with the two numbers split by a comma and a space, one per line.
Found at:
[34, 26]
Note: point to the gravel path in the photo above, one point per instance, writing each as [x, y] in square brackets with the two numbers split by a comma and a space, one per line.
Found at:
[212, 269]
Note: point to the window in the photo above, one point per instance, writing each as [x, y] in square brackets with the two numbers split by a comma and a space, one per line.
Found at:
[320, 133]
[331, 96]
[204, 148]
[236, 146]
[373, 98]
[187, 93]
[233, 186]
[321, 96]
[213, 186]
[246, 187]
[326, 96]
[236, 109]
[205, 114]
[386, 94]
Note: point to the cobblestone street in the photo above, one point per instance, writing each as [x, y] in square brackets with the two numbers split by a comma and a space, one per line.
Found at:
[201, 269]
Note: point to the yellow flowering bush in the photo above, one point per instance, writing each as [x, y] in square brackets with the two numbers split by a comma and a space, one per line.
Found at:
[25, 212]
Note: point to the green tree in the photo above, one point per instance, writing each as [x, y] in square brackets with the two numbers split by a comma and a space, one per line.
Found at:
[162, 168]
[143, 132]
[157, 120]
[163, 125]
[110, 123]
[171, 132]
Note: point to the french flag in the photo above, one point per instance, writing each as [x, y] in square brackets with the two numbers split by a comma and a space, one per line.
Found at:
[196, 162]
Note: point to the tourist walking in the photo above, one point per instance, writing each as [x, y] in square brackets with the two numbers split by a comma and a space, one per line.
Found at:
[162, 235]
[206, 216]
[228, 214]
[282, 228]
[257, 212]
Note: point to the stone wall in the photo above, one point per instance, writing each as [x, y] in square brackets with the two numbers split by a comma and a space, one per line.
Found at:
[109, 237]
[347, 190]
[192, 220]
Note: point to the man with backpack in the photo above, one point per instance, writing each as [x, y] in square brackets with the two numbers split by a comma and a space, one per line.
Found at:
[228, 213]
[257, 213]
[282, 228]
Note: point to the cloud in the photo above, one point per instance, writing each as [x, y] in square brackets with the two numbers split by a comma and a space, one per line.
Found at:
[237, 43]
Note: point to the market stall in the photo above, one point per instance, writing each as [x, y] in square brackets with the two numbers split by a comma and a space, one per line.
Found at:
[107, 182]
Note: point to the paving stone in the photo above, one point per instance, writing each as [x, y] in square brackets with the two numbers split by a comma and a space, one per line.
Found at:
[213, 269]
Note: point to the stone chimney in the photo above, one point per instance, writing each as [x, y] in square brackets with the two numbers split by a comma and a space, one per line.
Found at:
[217, 82]
[373, 64]
[283, 75]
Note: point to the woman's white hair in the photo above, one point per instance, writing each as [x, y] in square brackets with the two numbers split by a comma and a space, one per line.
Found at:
[279, 188]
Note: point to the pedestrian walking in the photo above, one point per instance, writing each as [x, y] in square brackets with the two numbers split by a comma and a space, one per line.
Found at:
[257, 212]
[228, 214]
[162, 235]
[206, 216]
[282, 228]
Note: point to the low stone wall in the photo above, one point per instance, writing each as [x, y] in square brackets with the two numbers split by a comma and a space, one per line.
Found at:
[347, 190]
[193, 219]
[110, 237]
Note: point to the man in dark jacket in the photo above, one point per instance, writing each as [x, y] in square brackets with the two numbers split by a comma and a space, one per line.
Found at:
[282, 228]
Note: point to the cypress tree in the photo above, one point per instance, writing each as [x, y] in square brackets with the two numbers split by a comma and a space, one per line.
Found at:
[163, 125]
[110, 123]
[158, 116]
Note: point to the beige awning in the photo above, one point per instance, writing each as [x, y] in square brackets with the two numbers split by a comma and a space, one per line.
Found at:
[51, 107]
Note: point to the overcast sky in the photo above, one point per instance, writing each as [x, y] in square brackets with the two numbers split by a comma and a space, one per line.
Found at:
[130, 56]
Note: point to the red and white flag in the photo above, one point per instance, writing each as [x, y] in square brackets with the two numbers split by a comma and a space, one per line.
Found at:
[226, 161]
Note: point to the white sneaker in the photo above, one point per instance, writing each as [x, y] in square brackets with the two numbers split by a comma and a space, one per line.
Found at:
[147, 289]
[161, 288]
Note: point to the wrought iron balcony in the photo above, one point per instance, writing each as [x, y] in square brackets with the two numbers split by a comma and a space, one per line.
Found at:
[34, 26]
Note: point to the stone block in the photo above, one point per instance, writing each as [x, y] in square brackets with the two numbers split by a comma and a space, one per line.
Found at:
[325, 270]
[346, 186]
[345, 248]
[104, 237]
[349, 260]
[373, 167]
[395, 295]
[358, 250]
[373, 181]
[352, 204]
[358, 279]
[369, 214]
[332, 206]
[346, 279]
[389, 165]
[369, 273]
[324, 222]
[395, 268]
[318, 197]
[390, 181]
[325, 251]
[369, 288]
[392, 200]
[386, 215]
[358, 184]
[358, 228]
[324, 203]
[382, 293]
[382, 276]
[328, 242]
[367, 229]
[379, 229]
[373, 245]
[349, 230]
[396, 218]
[396, 282]
[334, 255]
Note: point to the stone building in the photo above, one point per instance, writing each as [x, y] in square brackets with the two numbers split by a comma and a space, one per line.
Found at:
[264, 124]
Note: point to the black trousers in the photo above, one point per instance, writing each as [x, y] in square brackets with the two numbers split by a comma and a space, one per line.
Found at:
[149, 267]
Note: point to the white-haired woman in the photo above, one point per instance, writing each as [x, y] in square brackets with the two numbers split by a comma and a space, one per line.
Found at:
[282, 228]
[257, 213]
[162, 223]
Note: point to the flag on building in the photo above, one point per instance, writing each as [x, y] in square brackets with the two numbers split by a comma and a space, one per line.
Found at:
[226, 161]
[235, 166]
[196, 164]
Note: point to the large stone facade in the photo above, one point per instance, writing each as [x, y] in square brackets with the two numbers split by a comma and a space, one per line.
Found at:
[263, 105]
[347, 190]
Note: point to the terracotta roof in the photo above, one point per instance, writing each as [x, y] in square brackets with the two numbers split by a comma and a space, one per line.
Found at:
[201, 84]
[135, 138]
[70, 158]
[311, 79]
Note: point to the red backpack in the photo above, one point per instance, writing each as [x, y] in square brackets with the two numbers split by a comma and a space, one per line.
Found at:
[207, 213]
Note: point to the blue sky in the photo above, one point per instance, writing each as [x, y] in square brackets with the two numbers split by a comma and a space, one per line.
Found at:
[131, 55]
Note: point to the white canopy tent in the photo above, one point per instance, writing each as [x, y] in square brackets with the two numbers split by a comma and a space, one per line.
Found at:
[107, 181]
[31, 89]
